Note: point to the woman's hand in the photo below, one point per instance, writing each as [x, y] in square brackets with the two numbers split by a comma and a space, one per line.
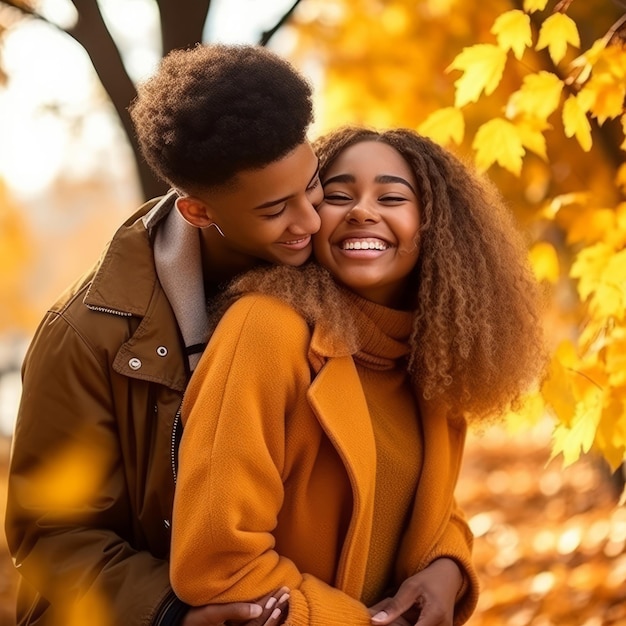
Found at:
[275, 607]
[426, 598]
[270, 610]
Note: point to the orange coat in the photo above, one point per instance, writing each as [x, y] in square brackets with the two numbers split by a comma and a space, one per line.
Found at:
[277, 475]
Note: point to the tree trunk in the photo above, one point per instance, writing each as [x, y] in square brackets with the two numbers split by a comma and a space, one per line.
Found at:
[91, 32]
[182, 22]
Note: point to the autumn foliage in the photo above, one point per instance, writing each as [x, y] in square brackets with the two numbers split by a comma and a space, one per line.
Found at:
[534, 93]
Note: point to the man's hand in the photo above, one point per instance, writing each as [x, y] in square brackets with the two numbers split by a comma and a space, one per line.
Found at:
[424, 599]
[268, 611]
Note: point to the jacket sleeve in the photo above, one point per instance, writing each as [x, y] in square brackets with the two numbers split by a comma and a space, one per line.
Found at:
[68, 503]
[229, 490]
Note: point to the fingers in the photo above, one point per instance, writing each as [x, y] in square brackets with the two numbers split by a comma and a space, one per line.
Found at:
[279, 607]
[217, 614]
[273, 609]
[390, 609]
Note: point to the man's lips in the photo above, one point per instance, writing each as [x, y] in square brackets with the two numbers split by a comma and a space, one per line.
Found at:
[296, 244]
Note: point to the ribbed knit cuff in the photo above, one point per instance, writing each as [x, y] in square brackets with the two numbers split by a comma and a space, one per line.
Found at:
[321, 605]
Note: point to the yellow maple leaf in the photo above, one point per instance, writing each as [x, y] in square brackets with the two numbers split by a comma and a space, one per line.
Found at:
[482, 66]
[576, 124]
[585, 62]
[608, 300]
[556, 32]
[612, 61]
[557, 390]
[611, 432]
[623, 122]
[605, 97]
[498, 141]
[512, 30]
[444, 125]
[615, 357]
[588, 267]
[531, 131]
[544, 261]
[538, 96]
[615, 271]
[530, 6]
[578, 437]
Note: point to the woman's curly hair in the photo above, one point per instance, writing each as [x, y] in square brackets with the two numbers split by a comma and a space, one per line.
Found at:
[214, 110]
[476, 343]
[477, 340]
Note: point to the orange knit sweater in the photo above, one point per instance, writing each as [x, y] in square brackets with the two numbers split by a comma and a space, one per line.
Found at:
[383, 335]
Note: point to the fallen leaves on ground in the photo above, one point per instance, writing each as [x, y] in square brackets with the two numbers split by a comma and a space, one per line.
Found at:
[550, 542]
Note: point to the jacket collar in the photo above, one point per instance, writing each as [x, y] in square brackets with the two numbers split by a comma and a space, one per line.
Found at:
[129, 254]
[153, 352]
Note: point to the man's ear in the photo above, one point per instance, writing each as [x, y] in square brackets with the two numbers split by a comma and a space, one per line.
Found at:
[194, 210]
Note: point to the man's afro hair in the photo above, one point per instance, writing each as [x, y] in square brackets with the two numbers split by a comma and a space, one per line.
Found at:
[214, 110]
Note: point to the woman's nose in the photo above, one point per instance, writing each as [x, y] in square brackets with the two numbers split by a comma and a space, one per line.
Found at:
[361, 213]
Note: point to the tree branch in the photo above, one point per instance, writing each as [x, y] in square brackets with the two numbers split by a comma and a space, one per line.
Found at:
[91, 32]
[27, 11]
[605, 133]
[268, 34]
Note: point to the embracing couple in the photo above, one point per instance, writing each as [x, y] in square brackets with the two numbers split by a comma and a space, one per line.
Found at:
[335, 315]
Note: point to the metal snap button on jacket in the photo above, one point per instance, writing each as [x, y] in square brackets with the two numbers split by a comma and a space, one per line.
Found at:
[134, 363]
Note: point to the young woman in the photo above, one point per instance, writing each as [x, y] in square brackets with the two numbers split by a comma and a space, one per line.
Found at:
[326, 421]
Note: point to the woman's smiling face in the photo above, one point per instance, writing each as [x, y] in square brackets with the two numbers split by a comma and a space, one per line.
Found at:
[370, 222]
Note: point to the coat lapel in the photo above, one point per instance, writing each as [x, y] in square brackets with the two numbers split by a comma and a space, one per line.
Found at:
[337, 399]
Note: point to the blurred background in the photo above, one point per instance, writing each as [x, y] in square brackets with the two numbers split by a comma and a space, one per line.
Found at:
[532, 91]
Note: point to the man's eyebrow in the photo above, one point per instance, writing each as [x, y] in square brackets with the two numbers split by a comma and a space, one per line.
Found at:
[315, 174]
[271, 203]
[266, 205]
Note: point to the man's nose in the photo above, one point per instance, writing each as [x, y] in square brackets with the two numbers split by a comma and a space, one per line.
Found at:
[308, 220]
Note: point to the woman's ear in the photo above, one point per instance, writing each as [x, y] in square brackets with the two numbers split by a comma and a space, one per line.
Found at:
[194, 211]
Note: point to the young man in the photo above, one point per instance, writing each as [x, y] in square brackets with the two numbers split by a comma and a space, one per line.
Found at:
[93, 466]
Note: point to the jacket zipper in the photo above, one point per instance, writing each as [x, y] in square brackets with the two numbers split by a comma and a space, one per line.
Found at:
[102, 309]
[174, 443]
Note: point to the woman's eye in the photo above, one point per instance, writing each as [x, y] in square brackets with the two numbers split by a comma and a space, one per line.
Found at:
[335, 197]
[393, 199]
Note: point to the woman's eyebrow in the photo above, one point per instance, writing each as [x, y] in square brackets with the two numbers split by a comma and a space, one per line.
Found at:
[388, 178]
[382, 179]
[340, 178]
